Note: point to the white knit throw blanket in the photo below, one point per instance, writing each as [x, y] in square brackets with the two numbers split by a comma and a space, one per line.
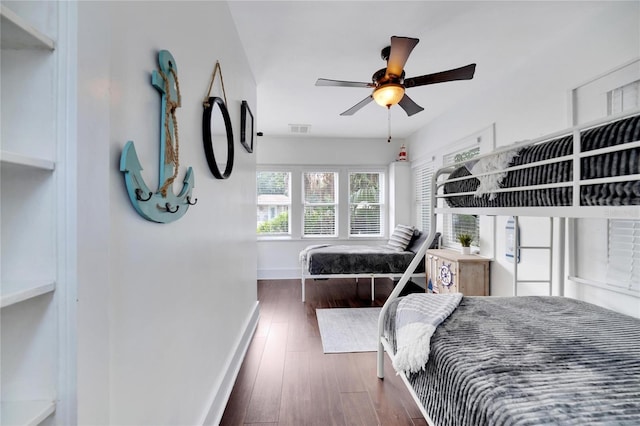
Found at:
[491, 183]
[417, 317]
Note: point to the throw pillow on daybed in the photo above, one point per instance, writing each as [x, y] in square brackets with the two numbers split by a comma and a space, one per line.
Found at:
[418, 239]
[401, 237]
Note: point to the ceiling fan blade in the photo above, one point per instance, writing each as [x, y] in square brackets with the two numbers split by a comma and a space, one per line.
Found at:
[339, 83]
[357, 107]
[462, 73]
[409, 106]
[401, 47]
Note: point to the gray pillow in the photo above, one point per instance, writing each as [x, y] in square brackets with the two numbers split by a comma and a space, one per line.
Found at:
[401, 237]
[419, 238]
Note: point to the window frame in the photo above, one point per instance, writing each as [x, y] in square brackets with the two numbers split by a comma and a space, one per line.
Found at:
[289, 205]
[381, 203]
[423, 174]
[335, 204]
[448, 238]
[296, 211]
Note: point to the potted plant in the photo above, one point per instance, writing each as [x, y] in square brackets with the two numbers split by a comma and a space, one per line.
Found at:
[465, 241]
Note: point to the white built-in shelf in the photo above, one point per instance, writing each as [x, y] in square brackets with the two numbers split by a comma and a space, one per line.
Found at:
[11, 158]
[18, 291]
[19, 34]
[26, 413]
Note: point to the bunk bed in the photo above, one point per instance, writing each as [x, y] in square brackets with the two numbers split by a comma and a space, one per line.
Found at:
[390, 260]
[529, 359]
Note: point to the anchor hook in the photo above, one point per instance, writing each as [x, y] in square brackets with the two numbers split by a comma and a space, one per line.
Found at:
[139, 195]
[189, 201]
[168, 207]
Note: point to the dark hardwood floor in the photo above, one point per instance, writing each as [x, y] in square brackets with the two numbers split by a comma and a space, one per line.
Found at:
[286, 379]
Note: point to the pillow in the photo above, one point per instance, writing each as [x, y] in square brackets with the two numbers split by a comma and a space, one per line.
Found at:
[401, 237]
[417, 241]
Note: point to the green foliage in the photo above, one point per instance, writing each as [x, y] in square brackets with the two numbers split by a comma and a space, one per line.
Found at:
[319, 220]
[465, 240]
[277, 225]
[273, 183]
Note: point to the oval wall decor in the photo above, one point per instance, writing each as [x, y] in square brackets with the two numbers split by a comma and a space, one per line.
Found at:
[210, 107]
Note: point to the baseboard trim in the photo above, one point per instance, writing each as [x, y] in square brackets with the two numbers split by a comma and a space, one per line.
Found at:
[279, 273]
[222, 391]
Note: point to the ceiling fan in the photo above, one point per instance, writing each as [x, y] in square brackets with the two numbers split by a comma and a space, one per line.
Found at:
[389, 83]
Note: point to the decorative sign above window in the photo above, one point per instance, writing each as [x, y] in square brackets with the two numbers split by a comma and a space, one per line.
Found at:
[163, 206]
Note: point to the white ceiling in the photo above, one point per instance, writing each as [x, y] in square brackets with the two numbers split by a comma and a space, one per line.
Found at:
[290, 44]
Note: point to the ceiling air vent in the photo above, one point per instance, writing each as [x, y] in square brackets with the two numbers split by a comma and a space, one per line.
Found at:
[300, 128]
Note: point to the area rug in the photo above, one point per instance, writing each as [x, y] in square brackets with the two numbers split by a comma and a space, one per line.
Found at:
[348, 329]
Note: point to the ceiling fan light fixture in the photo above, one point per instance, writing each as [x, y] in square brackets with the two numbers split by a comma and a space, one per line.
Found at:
[388, 94]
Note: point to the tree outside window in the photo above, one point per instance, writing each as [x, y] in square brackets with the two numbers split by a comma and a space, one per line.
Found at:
[365, 204]
[320, 203]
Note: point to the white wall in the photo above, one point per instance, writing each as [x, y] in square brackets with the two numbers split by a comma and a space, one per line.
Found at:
[321, 151]
[278, 259]
[534, 100]
[162, 308]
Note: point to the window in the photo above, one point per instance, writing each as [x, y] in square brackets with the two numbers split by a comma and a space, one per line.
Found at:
[623, 98]
[619, 265]
[422, 176]
[320, 204]
[623, 263]
[623, 257]
[274, 202]
[365, 204]
[459, 223]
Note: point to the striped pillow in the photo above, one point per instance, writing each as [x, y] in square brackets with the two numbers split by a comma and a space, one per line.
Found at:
[401, 237]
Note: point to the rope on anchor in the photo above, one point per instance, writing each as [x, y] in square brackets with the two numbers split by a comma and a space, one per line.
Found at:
[171, 151]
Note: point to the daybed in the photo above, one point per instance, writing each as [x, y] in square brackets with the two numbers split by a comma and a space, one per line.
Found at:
[364, 261]
[526, 360]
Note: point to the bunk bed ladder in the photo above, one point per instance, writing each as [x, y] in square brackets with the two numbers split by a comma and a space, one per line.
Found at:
[519, 247]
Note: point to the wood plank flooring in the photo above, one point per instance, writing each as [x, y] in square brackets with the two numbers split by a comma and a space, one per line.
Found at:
[286, 379]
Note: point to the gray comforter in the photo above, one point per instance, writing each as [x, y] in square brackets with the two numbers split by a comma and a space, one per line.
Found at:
[531, 361]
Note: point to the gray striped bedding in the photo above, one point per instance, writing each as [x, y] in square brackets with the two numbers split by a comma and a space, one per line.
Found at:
[530, 360]
[622, 163]
[358, 259]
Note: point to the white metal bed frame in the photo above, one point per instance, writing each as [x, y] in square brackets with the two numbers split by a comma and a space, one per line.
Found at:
[573, 211]
[391, 276]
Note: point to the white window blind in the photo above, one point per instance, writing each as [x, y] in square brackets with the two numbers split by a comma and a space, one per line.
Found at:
[422, 178]
[274, 201]
[623, 98]
[365, 204]
[623, 263]
[320, 203]
[456, 224]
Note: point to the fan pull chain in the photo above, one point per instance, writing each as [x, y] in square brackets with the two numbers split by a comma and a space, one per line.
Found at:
[389, 123]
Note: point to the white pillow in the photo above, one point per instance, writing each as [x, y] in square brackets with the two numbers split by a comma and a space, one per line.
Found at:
[401, 237]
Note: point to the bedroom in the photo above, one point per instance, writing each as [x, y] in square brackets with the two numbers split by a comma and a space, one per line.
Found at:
[139, 339]
[495, 117]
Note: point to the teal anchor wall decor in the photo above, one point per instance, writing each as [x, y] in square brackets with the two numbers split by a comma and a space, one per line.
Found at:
[163, 205]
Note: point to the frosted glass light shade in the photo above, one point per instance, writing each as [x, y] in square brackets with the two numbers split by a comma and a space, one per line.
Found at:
[389, 94]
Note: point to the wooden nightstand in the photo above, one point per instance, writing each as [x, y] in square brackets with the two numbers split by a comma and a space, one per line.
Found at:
[451, 272]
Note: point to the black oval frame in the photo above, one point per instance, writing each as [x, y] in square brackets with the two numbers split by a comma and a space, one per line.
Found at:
[208, 143]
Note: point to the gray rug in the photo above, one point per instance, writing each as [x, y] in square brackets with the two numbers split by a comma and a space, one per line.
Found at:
[348, 329]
